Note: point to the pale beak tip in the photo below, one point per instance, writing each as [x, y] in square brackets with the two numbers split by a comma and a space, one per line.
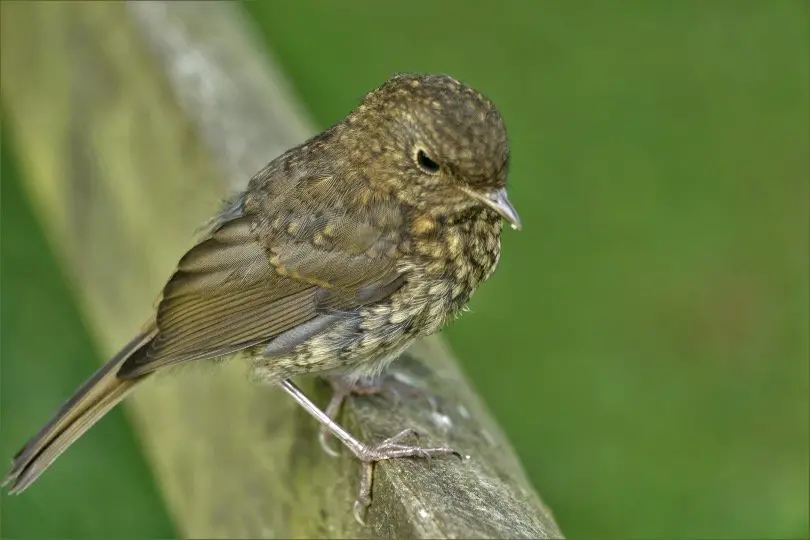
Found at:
[499, 202]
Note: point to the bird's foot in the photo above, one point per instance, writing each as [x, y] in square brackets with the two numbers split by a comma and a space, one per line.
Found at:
[389, 384]
[390, 448]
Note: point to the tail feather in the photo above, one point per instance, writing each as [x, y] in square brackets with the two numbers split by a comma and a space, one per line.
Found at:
[100, 393]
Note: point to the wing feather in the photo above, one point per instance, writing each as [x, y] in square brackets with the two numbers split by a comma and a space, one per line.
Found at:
[236, 289]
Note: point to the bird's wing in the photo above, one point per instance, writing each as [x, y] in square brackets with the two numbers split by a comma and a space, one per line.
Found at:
[239, 287]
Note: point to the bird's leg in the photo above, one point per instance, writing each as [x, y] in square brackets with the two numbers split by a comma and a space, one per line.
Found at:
[390, 448]
[341, 389]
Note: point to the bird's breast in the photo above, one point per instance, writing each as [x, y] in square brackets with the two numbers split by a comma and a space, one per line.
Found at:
[446, 266]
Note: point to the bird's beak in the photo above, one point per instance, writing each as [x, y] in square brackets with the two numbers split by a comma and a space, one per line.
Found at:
[498, 201]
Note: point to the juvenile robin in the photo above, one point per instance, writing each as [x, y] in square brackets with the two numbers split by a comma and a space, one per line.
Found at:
[338, 255]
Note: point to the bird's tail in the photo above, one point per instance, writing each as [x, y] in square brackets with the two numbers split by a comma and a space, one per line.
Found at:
[100, 393]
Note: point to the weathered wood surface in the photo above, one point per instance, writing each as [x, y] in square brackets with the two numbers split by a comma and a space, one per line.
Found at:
[131, 119]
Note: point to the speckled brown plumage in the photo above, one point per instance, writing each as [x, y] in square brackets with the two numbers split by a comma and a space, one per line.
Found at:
[334, 259]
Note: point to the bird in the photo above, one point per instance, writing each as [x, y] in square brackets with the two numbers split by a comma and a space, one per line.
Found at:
[337, 256]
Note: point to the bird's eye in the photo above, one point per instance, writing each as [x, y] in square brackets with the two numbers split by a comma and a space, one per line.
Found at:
[425, 163]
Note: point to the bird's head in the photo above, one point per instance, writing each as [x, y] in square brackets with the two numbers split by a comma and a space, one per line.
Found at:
[435, 143]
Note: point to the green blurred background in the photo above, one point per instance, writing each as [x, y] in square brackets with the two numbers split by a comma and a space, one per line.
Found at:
[645, 340]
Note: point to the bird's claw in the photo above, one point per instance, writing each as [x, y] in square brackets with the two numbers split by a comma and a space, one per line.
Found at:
[323, 438]
[364, 496]
[390, 448]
